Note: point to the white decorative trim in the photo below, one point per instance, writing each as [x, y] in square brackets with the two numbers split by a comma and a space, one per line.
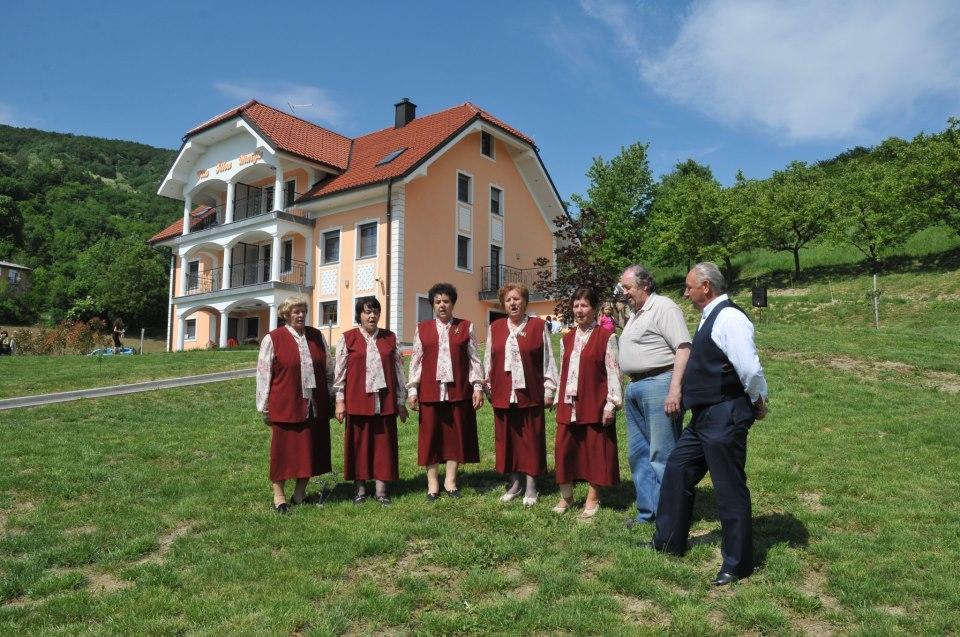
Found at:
[398, 198]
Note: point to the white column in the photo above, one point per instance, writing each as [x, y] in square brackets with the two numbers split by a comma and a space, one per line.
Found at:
[187, 205]
[181, 332]
[184, 271]
[273, 316]
[275, 259]
[225, 273]
[308, 250]
[224, 320]
[278, 188]
[228, 214]
[396, 230]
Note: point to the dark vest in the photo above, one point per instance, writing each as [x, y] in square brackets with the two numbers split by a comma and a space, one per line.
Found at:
[460, 388]
[358, 401]
[531, 354]
[709, 378]
[285, 402]
[591, 381]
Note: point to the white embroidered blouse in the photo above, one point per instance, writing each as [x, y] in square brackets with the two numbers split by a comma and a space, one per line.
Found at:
[444, 364]
[340, 370]
[265, 369]
[513, 364]
[611, 362]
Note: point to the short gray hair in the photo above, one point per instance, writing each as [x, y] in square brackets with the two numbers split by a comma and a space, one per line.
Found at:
[709, 272]
[288, 304]
[641, 276]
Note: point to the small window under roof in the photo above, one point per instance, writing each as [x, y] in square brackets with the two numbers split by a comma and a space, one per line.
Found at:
[390, 157]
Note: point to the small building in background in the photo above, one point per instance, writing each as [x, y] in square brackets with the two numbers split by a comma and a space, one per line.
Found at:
[275, 205]
[14, 274]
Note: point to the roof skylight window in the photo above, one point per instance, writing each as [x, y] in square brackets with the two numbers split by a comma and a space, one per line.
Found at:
[390, 157]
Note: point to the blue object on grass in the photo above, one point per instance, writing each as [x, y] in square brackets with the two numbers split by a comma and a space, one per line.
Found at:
[108, 351]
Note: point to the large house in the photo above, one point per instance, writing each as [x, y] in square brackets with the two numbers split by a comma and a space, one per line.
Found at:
[275, 205]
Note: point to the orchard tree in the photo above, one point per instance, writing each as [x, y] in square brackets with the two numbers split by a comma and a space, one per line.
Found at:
[619, 197]
[933, 174]
[791, 210]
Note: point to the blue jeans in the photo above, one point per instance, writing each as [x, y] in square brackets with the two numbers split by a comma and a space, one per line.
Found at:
[651, 436]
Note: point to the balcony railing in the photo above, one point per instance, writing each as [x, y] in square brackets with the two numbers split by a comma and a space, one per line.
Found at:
[493, 277]
[246, 208]
[245, 274]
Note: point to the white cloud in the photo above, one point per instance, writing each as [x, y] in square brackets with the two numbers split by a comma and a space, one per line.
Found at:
[809, 70]
[309, 102]
[8, 115]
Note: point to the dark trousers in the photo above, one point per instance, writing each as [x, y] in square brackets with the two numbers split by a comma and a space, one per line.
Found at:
[715, 441]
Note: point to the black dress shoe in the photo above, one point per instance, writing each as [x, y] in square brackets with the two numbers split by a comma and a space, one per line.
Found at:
[384, 500]
[455, 494]
[360, 498]
[722, 579]
[281, 508]
[433, 497]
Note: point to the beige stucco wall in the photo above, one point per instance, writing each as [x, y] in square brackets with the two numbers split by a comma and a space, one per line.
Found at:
[431, 208]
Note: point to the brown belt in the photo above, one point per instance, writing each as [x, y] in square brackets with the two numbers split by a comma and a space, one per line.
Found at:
[650, 372]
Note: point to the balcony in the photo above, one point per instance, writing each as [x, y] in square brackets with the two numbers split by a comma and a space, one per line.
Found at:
[251, 207]
[493, 277]
[293, 274]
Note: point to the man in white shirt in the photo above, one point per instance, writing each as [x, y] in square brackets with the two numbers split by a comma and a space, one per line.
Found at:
[725, 388]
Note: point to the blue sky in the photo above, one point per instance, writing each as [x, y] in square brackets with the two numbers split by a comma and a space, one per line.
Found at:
[734, 84]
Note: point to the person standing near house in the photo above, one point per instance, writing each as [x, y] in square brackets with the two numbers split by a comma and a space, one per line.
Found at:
[654, 348]
[606, 318]
[369, 384]
[294, 375]
[446, 387]
[590, 393]
[726, 389]
[118, 331]
[521, 376]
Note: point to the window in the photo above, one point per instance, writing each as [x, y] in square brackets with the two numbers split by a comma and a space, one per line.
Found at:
[253, 328]
[496, 200]
[193, 275]
[367, 240]
[463, 188]
[13, 276]
[390, 157]
[495, 270]
[463, 252]
[287, 264]
[487, 147]
[331, 246]
[424, 309]
[328, 313]
[190, 333]
[289, 192]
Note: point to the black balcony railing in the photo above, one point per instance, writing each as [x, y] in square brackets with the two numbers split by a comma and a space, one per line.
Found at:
[493, 277]
[254, 205]
[248, 273]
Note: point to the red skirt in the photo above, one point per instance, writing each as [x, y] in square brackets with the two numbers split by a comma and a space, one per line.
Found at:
[370, 448]
[448, 431]
[521, 440]
[299, 450]
[587, 453]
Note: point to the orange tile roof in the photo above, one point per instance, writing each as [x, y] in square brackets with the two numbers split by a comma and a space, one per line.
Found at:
[175, 229]
[288, 133]
[421, 137]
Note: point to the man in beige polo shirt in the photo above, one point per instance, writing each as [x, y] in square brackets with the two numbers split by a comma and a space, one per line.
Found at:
[654, 348]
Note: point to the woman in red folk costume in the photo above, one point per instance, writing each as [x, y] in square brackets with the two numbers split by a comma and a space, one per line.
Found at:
[368, 380]
[446, 387]
[522, 378]
[590, 393]
[294, 373]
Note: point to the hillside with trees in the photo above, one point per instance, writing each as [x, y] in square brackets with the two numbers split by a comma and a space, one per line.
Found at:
[78, 210]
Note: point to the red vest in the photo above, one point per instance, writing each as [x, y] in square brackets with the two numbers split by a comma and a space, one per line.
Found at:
[531, 354]
[460, 388]
[286, 403]
[359, 402]
[591, 381]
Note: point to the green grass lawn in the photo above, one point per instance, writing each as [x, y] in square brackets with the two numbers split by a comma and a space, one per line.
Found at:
[136, 515]
[30, 375]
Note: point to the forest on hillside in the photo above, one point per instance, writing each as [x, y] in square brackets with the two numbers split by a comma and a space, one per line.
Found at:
[79, 210]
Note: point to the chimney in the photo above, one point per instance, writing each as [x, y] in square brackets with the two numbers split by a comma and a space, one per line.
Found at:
[405, 112]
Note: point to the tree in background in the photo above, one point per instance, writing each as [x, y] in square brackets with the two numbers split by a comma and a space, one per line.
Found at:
[869, 193]
[932, 174]
[619, 196]
[693, 218]
[790, 210]
[121, 277]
